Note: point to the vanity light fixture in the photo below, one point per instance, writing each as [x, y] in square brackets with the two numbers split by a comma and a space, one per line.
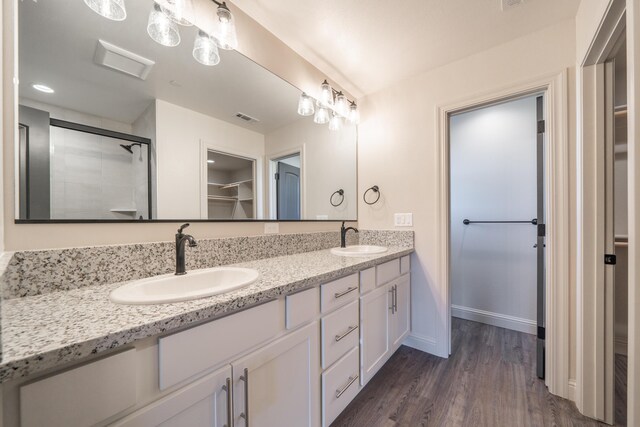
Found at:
[110, 9]
[162, 28]
[341, 104]
[42, 88]
[354, 113]
[226, 33]
[178, 10]
[205, 50]
[326, 93]
[336, 122]
[322, 114]
[305, 105]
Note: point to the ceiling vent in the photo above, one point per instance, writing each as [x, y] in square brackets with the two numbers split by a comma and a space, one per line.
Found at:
[119, 59]
[246, 118]
[508, 4]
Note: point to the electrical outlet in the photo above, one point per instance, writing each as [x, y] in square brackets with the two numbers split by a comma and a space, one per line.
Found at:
[403, 220]
[271, 228]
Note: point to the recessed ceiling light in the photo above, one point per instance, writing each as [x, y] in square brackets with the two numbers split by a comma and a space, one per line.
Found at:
[211, 161]
[42, 88]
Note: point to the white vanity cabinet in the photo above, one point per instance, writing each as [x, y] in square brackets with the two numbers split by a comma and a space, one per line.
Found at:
[279, 384]
[385, 316]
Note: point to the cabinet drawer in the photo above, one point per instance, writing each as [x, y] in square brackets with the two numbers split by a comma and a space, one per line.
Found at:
[190, 352]
[338, 293]
[339, 386]
[339, 333]
[405, 264]
[82, 396]
[387, 271]
[302, 307]
[367, 280]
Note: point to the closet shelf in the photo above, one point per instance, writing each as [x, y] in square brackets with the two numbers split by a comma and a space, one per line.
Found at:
[124, 210]
[223, 198]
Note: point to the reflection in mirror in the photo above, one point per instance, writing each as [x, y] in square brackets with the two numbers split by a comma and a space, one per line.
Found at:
[114, 125]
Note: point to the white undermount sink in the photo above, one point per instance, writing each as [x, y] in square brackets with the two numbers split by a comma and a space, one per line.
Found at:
[193, 285]
[359, 250]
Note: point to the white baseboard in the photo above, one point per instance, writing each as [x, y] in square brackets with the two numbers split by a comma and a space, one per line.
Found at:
[496, 319]
[426, 344]
[571, 390]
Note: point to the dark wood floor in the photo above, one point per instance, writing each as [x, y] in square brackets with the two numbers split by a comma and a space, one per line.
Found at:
[489, 380]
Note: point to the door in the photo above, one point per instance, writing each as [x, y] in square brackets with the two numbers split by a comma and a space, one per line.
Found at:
[400, 317]
[540, 241]
[205, 402]
[279, 384]
[288, 191]
[375, 309]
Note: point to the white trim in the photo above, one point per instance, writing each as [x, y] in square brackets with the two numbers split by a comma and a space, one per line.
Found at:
[496, 319]
[422, 343]
[571, 390]
[272, 209]
[556, 211]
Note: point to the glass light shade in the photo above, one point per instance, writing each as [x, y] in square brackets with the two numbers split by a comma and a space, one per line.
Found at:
[205, 50]
[354, 114]
[326, 93]
[225, 35]
[336, 122]
[342, 106]
[161, 28]
[305, 105]
[179, 11]
[322, 115]
[110, 9]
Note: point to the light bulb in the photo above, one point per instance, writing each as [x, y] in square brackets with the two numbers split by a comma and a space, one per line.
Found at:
[205, 50]
[322, 115]
[179, 11]
[336, 122]
[110, 9]
[326, 93]
[354, 114]
[305, 105]
[225, 35]
[161, 28]
[342, 106]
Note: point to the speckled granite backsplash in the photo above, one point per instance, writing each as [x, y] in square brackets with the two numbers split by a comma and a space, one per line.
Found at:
[31, 273]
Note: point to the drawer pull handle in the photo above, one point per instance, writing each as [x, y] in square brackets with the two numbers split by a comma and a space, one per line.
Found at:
[245, 414]
[352, 379]
[228, 388]
[351, 329]
[341, 294]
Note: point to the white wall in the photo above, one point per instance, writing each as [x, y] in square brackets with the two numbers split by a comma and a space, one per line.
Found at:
[493, 177]
[328, 165]
[179, 132]
[397, 150]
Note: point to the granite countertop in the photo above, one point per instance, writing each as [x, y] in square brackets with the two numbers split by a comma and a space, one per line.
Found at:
[45, 331]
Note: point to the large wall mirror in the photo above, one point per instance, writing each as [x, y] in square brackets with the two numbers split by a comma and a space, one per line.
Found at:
[115, 126]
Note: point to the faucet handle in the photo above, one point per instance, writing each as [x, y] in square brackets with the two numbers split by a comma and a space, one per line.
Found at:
[182, 227]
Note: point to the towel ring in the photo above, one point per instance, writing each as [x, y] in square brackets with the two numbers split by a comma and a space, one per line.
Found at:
[339, 192]
[376, 190]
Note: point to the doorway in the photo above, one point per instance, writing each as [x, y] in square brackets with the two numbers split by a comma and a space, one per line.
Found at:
[497, 216]
[287, 186]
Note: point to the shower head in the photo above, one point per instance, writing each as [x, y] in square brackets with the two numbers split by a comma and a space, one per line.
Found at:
[130, 146]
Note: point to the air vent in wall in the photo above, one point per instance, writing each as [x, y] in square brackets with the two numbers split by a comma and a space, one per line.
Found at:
[119, 59]
[246, 118]
[507, 4]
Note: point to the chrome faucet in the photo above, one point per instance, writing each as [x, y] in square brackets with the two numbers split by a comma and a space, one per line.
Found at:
[181, 240]
[343, 234]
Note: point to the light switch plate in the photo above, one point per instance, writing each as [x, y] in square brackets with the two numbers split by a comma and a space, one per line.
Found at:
[403, 220]
[271, 228]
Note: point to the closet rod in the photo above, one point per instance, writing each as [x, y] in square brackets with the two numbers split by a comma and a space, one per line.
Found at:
[467, 222]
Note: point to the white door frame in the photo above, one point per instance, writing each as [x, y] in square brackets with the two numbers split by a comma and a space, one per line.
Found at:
[594, 325]
[556, 213]
[271, 182]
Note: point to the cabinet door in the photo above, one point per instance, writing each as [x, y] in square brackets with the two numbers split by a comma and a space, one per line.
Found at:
[279, 384]
[400, 320]
[204, 402]
[375, 309]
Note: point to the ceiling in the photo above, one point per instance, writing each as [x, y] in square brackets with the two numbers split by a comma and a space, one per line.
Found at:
[367, 45]
[57, 43]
